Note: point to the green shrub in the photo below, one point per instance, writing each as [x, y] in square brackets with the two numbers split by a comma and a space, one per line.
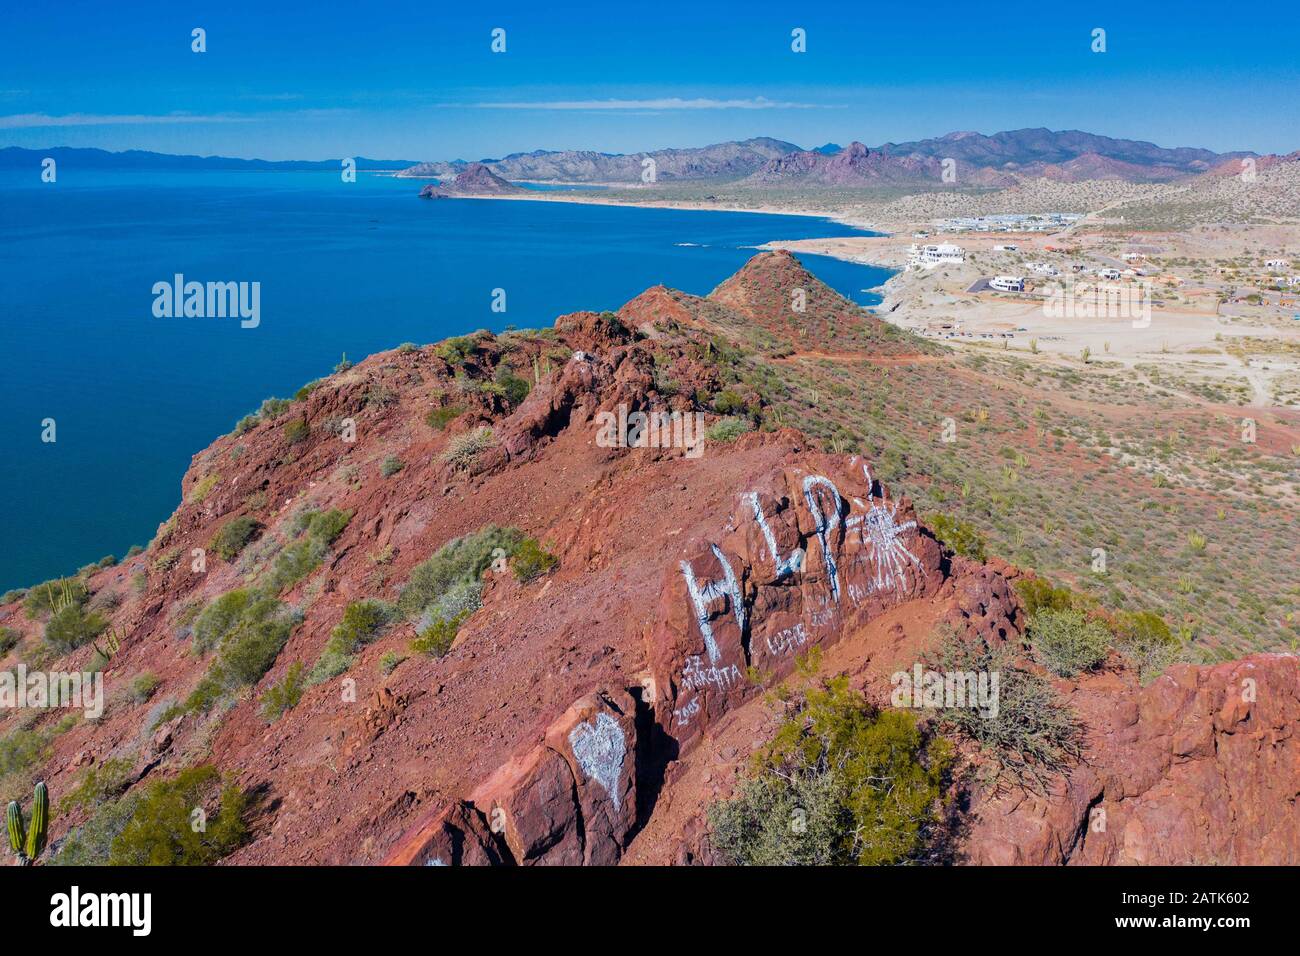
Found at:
[463, 450]
[436, 638]
[99, 785]
[72, 627]
[514, 388]
[233, 536]
[23, 748]
[958, 536]
[439, 418]
[1038, 594]
[161, 831]
[842, 783]
[326, 526]
[90, 843]
[1145, 641]
[389, 662]
[1033, 734]
[727, 430]
[202, 488]
[456, 350]
[296, 430]
[728, 402]
[273, 408]
[306, 390]
[58, 592]
[458, 561]
[9, 639]
[391, 466]
[249, 629]
[531, 561]
[144, 686]
[362, 622]
[1067, 642]
[285, 695]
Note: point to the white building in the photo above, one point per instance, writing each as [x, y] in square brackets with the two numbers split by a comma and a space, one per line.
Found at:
[1006, 248]
[1043, 268]
[1007, 283]
[1278, 264]
[929, 256]
[1109, 273]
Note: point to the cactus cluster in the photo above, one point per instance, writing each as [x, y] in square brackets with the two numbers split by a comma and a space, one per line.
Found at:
[27, 842]
[112, 643]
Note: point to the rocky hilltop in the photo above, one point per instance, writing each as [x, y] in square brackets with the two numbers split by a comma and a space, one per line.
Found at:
[475, 180]
[608, 665]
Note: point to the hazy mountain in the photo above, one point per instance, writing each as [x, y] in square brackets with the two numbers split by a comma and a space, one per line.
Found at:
[720, 161]
[12, 157]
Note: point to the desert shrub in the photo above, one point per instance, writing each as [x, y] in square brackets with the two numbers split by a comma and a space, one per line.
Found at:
[296, 430]
[458, 561]
[326, 526]
[306, 390]
[160, 833]
[144, 686]
[202, 488]
[246, 424]
[1067, 642]
[462, 450]
[1145, 641]
[437, 635]
[12, 595]
[841, 783]
[9, 638]
[220, 618]
[303, 556]
[727, 430]
[23, 748]
[407, 347]
[389, 661]
[1038, 594]
[233, 536]
[55, 593]
[439, 418]
[960, 537]
[514, 388]
[73, 626]
[362, 622]
[531, 561]
[99, 785]
[728, 402]
[249, 630]
[90, 843]
[1032, 735]
[457, 349]
[273, 408]
[391, 466]
[284, 695]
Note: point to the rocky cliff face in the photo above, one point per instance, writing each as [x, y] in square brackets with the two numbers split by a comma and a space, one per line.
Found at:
[588, 716]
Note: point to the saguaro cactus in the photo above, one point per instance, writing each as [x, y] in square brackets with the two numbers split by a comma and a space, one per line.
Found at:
[27, 843]
[36, 833]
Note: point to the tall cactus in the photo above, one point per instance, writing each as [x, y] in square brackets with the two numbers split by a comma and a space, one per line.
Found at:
[27, 843]
[40, 822]
[17, 832]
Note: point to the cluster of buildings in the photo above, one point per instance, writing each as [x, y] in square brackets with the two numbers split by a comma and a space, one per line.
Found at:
[1035, 222]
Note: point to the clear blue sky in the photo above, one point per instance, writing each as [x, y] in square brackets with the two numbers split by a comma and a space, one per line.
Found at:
[418, 80]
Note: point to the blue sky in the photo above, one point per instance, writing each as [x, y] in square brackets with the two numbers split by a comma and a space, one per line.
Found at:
[419, 81]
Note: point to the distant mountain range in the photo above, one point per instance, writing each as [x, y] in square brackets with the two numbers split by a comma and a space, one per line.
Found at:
[15, 157]
[998, 160]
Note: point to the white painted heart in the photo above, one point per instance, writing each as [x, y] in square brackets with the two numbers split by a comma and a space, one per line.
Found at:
[600, 748]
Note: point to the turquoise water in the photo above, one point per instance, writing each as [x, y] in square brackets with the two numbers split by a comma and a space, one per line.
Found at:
[356, 268]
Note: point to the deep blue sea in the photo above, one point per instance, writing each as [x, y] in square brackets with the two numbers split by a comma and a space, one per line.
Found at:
[344, 267]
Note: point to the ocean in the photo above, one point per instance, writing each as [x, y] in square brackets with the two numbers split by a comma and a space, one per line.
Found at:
[349, 268]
